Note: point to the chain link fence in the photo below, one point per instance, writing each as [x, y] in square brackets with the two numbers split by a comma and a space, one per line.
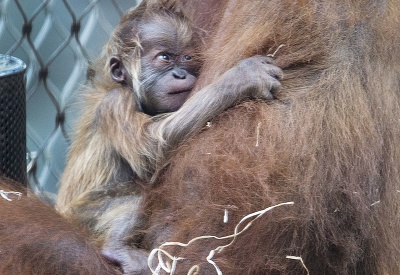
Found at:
[57, 39]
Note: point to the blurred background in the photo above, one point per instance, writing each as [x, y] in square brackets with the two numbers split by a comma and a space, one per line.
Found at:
[57, 39]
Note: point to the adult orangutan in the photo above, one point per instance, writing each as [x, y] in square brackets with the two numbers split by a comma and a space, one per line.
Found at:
[330, 144]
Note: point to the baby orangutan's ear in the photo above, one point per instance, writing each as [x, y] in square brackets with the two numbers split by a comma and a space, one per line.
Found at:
[118, 71]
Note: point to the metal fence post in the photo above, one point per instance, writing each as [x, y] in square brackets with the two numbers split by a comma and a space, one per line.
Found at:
[12, 119]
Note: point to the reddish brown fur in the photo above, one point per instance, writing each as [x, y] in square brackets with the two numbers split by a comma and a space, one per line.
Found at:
[330, 143]
[35, 239]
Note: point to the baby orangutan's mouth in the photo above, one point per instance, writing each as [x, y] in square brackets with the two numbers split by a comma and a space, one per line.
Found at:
[179, 92]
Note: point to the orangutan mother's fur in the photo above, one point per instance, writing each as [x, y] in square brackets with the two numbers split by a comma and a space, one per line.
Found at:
[330, 143]
[35, 239]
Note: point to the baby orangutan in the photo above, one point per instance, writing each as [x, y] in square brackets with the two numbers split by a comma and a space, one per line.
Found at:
[137, 110]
